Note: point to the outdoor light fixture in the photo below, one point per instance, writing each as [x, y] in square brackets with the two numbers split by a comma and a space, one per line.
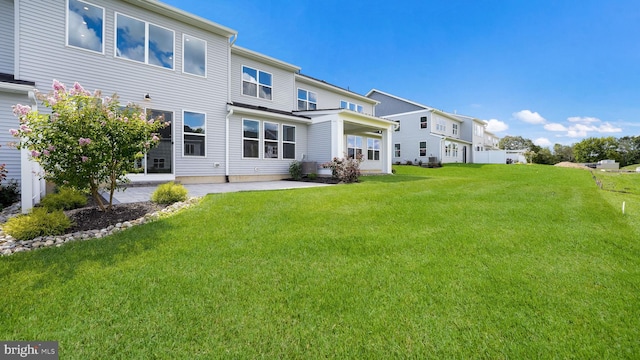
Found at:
[147, 96]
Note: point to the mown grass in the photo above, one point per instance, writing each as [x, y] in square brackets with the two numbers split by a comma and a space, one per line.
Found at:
[464, 261]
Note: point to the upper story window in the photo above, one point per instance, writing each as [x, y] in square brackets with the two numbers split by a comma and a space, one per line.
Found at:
[478, 130]
[441, 125]
[454, 129]
[194, 133]
[351, 106]
[398, 126]
[307, 100]
[85, 26]
[423, 122]
[140, 41]
[194, 55]
[256, 83]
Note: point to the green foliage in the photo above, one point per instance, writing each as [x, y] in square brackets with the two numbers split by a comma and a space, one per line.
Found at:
[312, 176]
[295, 170]
[9, 192]
[346, 170]
[64, 199]
[39, 222]
[87, 142]
[593, 149]
[515, 143]
[169, 193]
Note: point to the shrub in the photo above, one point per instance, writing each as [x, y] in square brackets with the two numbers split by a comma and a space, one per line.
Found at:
[39, 222]
[345, 169]
[312, 176]
[169, 193]
[295, 170]
[65, 199]
[409, 162]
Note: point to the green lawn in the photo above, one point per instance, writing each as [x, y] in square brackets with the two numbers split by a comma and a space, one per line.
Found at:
[466, 261]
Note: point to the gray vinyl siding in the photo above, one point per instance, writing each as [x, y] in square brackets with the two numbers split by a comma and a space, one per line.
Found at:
[389, 105]
[6, 37]
[9, 155]
[282, 82]
[44, 57]
[330, 100]
[320, 142]
[240, 166]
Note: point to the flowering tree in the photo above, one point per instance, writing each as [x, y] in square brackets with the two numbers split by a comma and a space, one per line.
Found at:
[345, 169]
[87, 142]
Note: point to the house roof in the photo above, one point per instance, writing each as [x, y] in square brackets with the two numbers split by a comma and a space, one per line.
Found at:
[323, 84]
[183, 16]
[264, 58]
[399, 98]
[265, 111]
[9, 78]
[8, 83]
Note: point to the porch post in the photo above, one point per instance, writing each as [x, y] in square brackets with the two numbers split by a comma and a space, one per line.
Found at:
[387, 150]
[337, 138]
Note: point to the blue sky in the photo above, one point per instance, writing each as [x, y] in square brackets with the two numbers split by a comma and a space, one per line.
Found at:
[550, 71]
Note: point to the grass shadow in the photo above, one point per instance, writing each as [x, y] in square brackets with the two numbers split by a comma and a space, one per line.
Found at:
[392, 178]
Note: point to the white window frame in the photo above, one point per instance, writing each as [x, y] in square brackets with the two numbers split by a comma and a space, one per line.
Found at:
[441, 125]
[307, 100]
[344, 104]
[454, 129]
[355, 148]
[146, 42]
[420, 148]
[184, 134]
[251, 139]
[265, 140]
[454, 150]
[206, 68]
[67, 33]
[397, 127]
[371, 146]
[397, 150]
[258, 84]
[295, 131]
[424, 124]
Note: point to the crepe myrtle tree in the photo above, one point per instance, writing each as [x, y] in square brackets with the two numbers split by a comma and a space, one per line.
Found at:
[88, 142]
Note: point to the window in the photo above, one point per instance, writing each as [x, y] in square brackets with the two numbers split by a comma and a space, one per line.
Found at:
[423, 148]
[441, 125]
[397, 150]
[423, 122]
[288, 142]
[351, 106]
[194, 55]
[194, 133]
[85, 26]
[307, 100]
[398, 127]
[373, 149]
[158, 163]
[448, 146]
[354, 146]
[132, 42]
[454, 150]
[271, 140]
[454, 129]
[478, 130]
[251, 138]
[256, 83]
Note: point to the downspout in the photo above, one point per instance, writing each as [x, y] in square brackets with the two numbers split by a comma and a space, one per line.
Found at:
[229, 110]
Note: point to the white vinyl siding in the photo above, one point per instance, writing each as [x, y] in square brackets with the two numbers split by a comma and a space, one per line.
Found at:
[330, 100]
[282, 88]
[6, 37]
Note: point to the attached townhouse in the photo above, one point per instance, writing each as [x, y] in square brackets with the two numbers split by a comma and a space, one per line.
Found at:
[236, 115]
[427, 134]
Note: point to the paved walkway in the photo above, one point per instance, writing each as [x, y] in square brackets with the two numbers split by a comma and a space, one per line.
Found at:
[143, 193]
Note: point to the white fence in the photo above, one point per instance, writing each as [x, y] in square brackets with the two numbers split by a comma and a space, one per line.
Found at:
[498, 156]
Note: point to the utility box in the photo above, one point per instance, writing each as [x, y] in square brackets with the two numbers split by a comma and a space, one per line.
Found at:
[309, 167]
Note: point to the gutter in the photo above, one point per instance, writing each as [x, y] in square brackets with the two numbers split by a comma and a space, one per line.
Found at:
[226, 144]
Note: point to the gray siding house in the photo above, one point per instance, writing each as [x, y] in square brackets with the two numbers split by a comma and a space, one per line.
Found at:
[236, 115]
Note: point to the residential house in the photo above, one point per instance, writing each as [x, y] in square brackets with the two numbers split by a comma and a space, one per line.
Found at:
[236, 115]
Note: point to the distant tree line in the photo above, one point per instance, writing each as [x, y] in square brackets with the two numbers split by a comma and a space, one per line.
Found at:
[625, 150]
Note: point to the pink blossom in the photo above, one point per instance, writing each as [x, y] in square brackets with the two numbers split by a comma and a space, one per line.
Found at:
[25, 128]
[46, 152]
[21, 110]
[84, 158]
[78, 90]
[51, 148]
[58, 86]
[35, 153]
[14, 132]
[155, 138]
[84, 141]
[52, 100]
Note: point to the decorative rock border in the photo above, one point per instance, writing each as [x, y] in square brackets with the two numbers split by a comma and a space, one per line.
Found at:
[9, 245]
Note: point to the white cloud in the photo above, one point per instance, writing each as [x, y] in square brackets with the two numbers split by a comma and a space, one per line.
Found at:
[582, 130]
[608, 128]
[555, 127]
[543, 142]
[583, 120]
[495, 126]
[529, 117]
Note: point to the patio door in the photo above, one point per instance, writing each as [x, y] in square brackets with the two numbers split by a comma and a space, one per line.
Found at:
[464, 154]
[159, 160]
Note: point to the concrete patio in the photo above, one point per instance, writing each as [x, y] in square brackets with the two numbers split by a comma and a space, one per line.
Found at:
[143, 193]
